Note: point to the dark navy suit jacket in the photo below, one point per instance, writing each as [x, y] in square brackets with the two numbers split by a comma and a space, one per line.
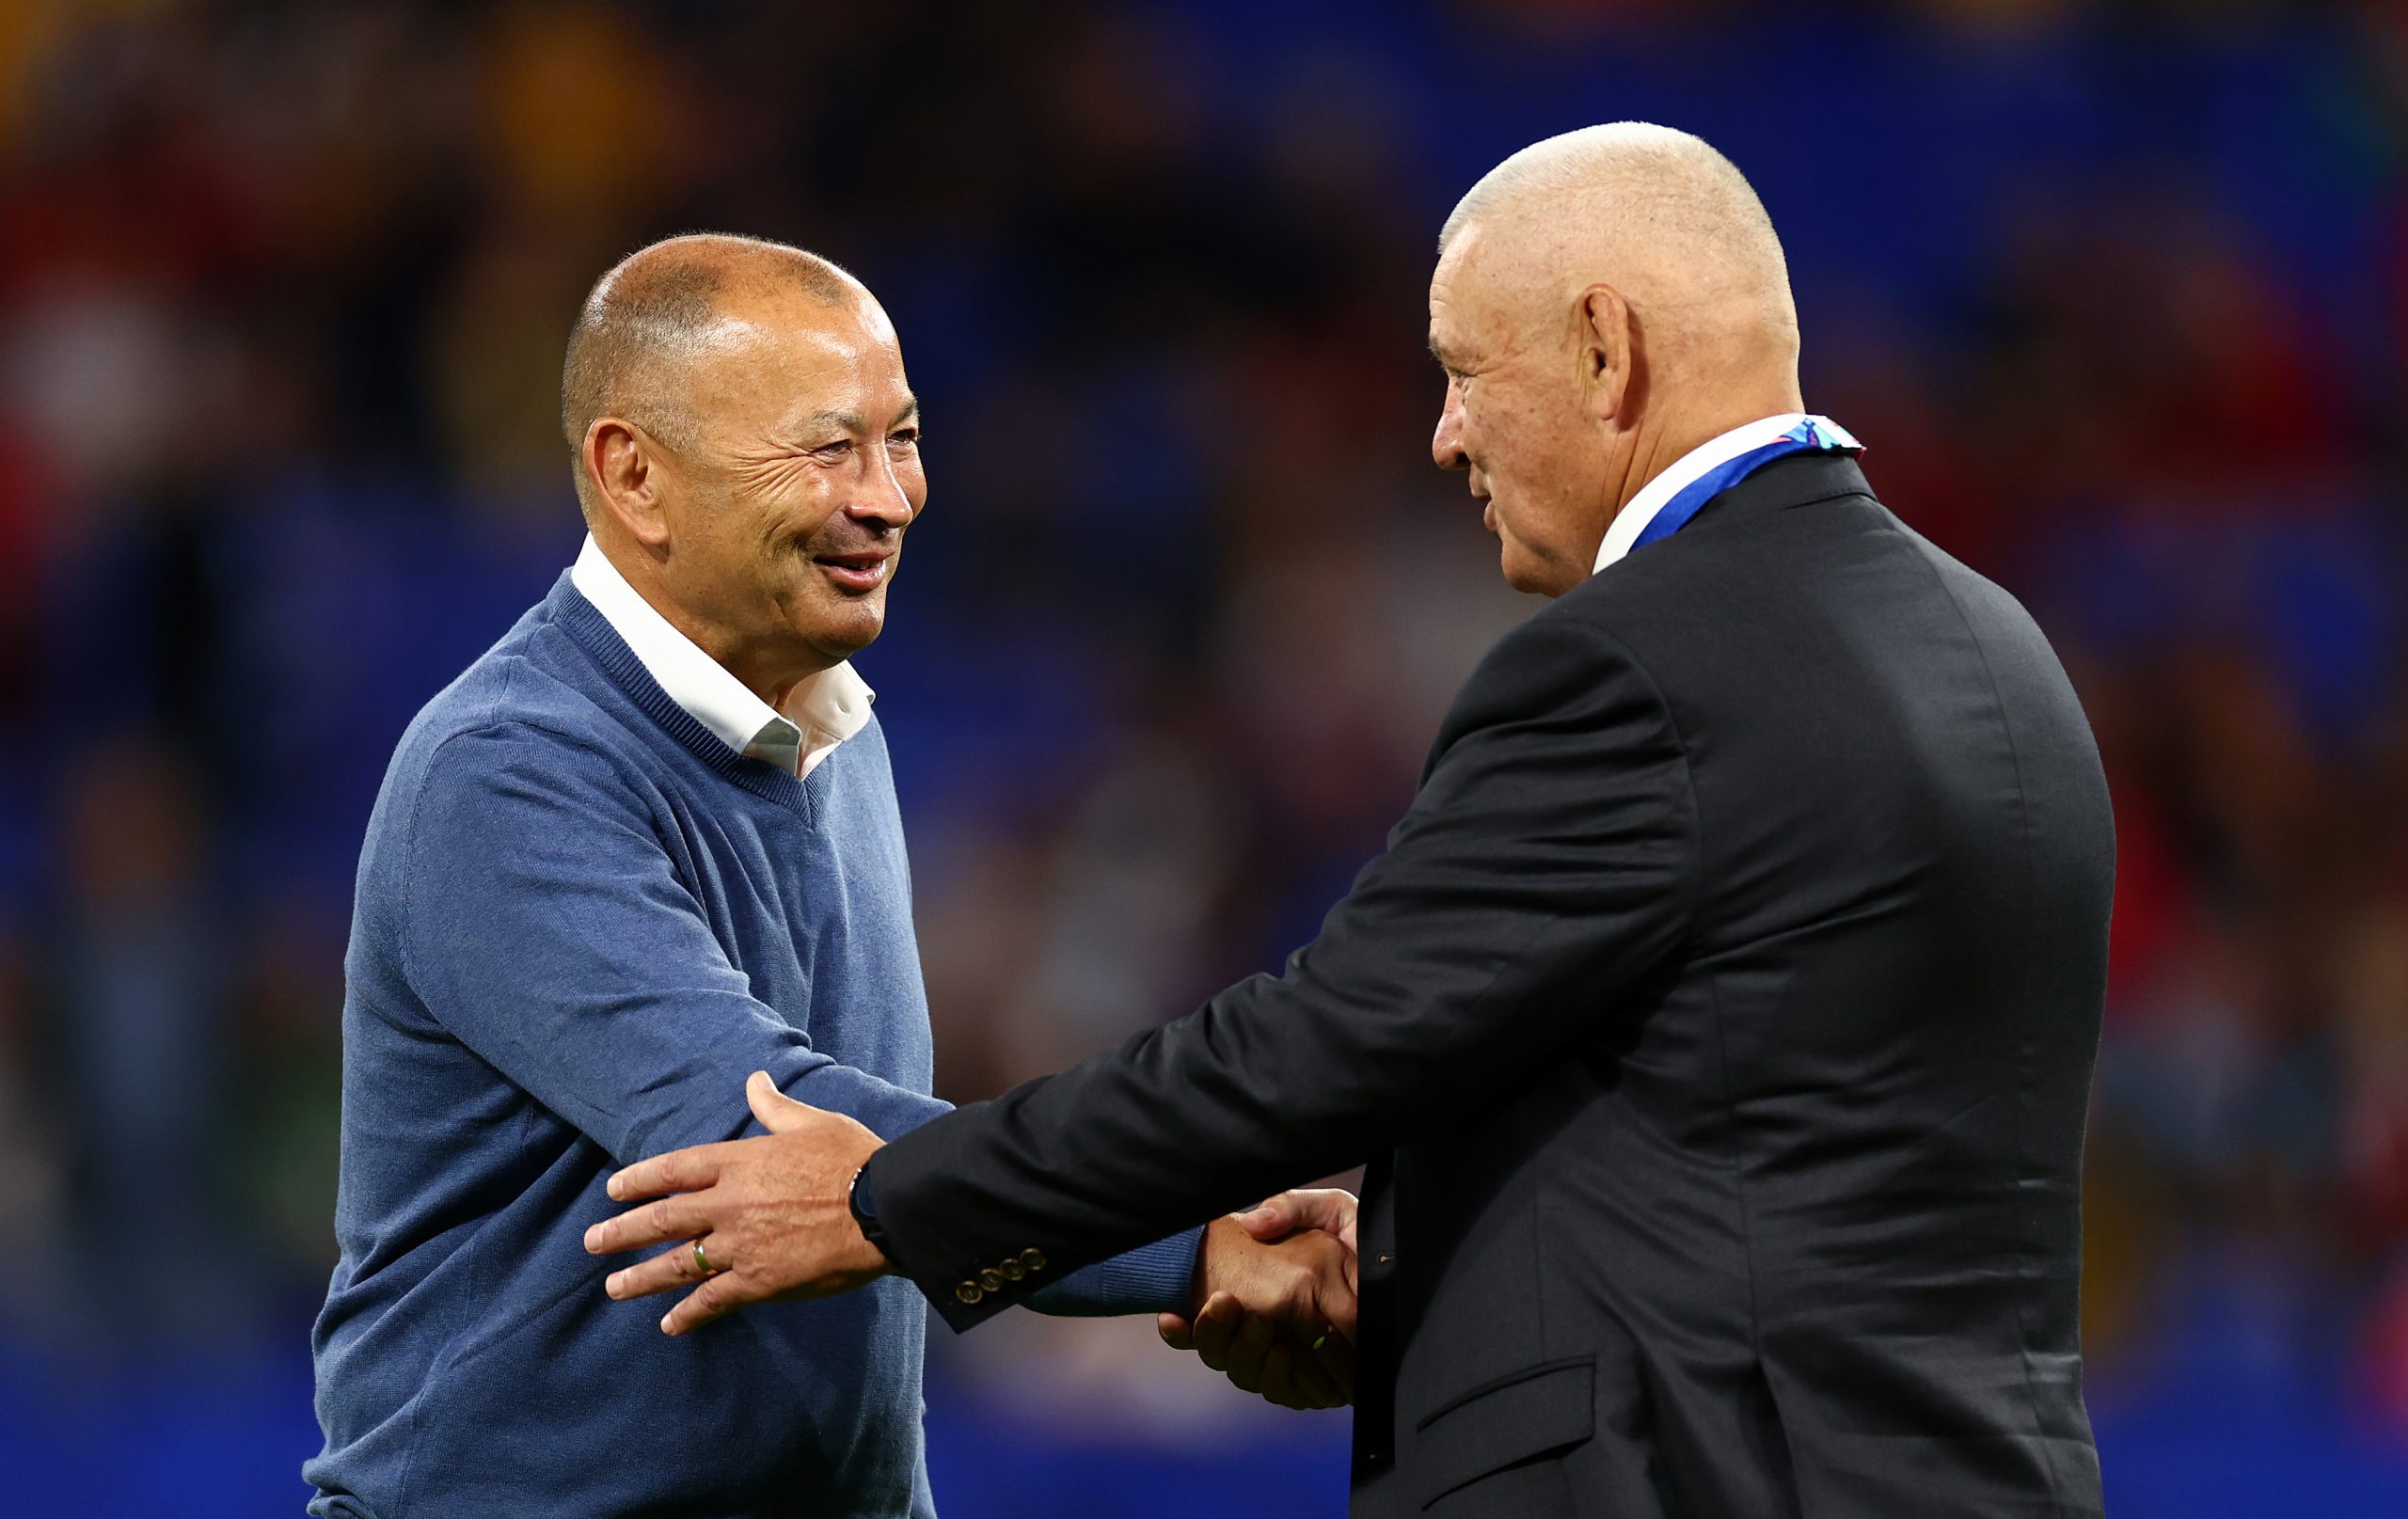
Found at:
[1719, 1028]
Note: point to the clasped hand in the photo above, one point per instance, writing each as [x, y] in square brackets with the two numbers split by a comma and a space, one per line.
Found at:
[767, 1219]
[1276, 1290]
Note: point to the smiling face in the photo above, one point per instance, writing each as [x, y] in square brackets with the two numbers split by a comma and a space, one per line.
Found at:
[787, 509]
[762, 510]
[1518, 418]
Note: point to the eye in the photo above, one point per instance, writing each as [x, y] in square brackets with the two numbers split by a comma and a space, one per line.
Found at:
[904, 438]
[837, 449]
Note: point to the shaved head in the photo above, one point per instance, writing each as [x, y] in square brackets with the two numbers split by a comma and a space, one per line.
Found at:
[1605, 302]
[1656, 211]
[664, 308]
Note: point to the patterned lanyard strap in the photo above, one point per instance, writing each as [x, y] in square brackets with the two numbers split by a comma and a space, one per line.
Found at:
[1815, 435]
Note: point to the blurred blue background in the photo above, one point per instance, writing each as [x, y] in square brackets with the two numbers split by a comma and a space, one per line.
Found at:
[2116, 293]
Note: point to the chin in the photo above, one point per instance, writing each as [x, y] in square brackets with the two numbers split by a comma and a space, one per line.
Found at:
[1531, 574]
[846, 630]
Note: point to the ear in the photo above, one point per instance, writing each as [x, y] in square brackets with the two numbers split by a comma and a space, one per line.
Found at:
[1606, 336]
[626, 469]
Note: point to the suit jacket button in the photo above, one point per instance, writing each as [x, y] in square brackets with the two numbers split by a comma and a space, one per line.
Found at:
[1033, 1258]
[969, 1292]
[1013, 1271]
[992, 1281]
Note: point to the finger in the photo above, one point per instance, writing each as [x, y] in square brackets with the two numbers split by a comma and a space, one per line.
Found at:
[1248, 1349]
[680, 1170]
[1177, 1331]
[672, 1267]
[723, 1294]
[684, 1216]
[777, 1112]
[1279, 1384]
[1216, 1325]
[1338, 1306]
[1270, 1219]
[1331, 1209]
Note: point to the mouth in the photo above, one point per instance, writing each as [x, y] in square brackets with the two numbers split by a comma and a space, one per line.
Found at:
[1487, 512]
[856, 573]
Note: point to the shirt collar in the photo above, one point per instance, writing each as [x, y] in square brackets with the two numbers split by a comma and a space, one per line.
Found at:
[1657, 493]
[821, 712]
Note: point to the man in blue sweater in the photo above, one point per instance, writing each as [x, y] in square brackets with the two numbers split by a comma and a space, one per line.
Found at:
[646, 845]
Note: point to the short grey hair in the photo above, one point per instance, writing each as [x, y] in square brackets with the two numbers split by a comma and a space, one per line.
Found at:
[1673, 180]
[653, 310]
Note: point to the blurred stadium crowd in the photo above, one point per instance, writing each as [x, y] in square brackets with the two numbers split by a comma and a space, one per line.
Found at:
[2117, 295]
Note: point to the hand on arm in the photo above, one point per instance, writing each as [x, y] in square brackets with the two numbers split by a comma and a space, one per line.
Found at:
[1276, 1290]
[579, 963]
[773, 1215]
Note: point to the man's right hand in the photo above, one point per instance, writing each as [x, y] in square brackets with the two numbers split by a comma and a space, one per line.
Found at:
[1276, 1288]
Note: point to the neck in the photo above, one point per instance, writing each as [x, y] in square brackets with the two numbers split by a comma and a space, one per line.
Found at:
[770, 668]
[779, 690]
[1659, 444]
[769, 673]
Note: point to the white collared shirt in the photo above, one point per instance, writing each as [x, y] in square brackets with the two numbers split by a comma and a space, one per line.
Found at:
[821, 712]
[1657, 494]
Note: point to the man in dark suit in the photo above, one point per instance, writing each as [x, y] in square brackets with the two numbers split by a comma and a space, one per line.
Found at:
[1718, 1024]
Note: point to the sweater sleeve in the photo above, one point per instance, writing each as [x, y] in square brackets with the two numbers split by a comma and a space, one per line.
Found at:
[547, 930]
[1153, 1278]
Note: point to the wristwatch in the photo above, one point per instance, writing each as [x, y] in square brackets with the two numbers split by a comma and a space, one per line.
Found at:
[864, 1214]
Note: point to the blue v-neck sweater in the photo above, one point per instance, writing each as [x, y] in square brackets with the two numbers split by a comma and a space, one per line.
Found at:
[581, 920]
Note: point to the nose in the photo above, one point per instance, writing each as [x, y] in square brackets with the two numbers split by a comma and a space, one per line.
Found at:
[1446, 443]
[883, 501]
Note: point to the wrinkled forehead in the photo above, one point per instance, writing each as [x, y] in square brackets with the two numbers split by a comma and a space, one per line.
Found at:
[764, 357]
[784, 324]
[1504, 282]
[1455, 270]
[1467, 296]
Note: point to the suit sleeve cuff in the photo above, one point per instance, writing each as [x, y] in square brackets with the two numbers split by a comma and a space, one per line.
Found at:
[965, 1288]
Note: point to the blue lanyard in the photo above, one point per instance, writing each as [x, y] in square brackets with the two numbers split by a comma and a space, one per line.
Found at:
[1815, 435]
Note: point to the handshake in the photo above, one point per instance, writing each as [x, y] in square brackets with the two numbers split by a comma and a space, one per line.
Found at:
[769, 1219]
[1275, 1292]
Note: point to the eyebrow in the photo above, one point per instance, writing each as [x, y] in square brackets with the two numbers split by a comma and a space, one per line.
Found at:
[1439, 354]
[852, 421]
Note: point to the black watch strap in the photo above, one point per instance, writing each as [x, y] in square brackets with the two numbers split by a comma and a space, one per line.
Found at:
[865, 1213]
